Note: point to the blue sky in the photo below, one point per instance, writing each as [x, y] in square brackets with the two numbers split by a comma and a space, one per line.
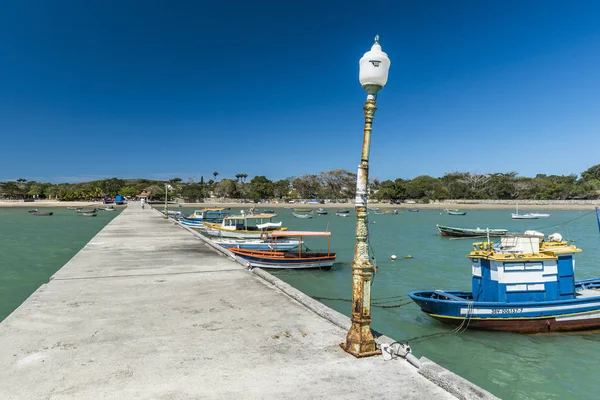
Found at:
[160, 89]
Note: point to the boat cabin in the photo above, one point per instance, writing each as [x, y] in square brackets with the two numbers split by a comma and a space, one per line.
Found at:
[255, 222]
[210, 214]
[523, 268]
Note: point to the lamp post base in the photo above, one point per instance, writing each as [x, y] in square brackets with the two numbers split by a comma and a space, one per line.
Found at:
[359, 340]
[357, 352]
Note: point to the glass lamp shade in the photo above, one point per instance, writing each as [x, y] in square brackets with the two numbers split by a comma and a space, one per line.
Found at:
[374, 67]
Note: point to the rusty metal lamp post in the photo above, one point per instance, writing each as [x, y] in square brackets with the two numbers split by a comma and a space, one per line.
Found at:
[374, 66]
[166, 216]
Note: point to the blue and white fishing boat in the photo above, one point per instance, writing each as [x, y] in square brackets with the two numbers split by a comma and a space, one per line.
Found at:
[523, 283]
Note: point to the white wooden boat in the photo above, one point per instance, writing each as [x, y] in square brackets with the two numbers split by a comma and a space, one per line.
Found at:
[302, 216]
[257, 226]
[522, 216]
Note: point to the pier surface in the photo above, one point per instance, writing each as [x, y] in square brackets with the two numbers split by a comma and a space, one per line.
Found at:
[146, 310]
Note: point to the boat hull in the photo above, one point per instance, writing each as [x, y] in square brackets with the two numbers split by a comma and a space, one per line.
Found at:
[282, 260]
[466, 232]
[457, 308]
[264, 246]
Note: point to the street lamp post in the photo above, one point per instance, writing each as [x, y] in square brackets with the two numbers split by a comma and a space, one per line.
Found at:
[374, 66]
[166, 216]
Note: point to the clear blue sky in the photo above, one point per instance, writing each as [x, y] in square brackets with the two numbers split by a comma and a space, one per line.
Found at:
[163, 89]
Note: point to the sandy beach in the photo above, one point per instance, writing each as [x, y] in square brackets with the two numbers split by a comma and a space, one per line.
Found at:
[435, 206]
[49, 203]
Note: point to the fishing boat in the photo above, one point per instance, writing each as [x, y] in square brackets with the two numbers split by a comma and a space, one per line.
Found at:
[33, 211]
[413, 210]
[257, 244]
[208, 215]
[522, 216]
[322, 211]
[300, 259]
[267, 211]
[190, 223]
[523, 283]
[89, 214]
[456, 212]
[342, 213]
[450, 209]
[302, 210]
[41, 213]
[302, 216]
[470, 232]
[255, 226]
[73, 208]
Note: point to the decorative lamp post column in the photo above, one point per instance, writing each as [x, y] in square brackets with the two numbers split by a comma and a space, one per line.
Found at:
[374, 66]
[166, 216]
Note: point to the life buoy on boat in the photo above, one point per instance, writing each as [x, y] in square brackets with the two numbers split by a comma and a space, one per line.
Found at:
[263, 235]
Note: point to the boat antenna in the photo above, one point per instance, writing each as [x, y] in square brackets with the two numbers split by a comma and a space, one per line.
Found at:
[327, 228]
[487, 232]
[598, 217]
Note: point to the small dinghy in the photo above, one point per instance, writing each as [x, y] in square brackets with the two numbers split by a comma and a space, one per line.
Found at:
[41, 214]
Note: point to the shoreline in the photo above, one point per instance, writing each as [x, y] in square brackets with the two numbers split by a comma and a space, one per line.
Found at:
[403, 206]
[51, 204]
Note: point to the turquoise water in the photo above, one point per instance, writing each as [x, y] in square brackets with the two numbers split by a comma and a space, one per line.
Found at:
[512, 366]
[33, 248]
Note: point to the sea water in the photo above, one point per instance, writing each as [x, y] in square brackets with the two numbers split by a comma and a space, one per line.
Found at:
[33, 248]
[511, 366]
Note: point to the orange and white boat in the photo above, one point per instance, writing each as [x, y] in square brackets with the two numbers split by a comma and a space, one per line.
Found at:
[289, 259]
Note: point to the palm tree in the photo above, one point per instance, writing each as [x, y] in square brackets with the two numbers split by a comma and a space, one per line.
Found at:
[238, 176]
[244, 176]
[215, 174]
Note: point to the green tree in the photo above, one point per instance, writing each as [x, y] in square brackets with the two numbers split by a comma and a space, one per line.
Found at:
[592, 173]
[281, 188]
[260, 188]
[193, 192]
[425, 186]
[226, 188]
[12, 190]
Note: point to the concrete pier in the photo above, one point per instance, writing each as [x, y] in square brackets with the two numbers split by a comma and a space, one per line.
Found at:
[147, 310]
